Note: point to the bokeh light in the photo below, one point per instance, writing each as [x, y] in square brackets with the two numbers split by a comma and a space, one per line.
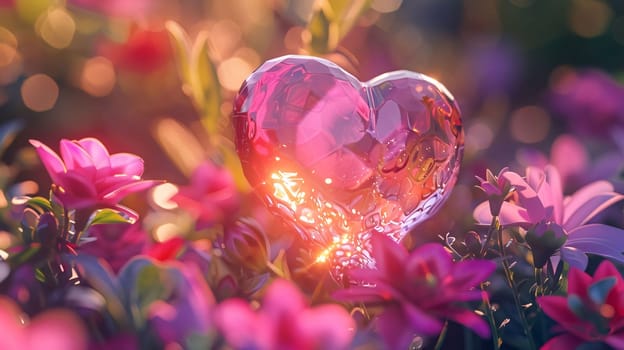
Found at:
[39, 92]
[98, 76]
[529, 124]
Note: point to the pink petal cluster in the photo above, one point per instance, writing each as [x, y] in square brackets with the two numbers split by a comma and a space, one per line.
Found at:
[116, 243]
[284, 322]
[51, 330]
[591, 312]
[419, 290]
[211, 198]
[540, 199]
[87, 175]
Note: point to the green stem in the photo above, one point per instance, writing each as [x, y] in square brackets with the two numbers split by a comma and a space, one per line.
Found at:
[511, 283]
[539, 279]
[491, 320]
[441, 337]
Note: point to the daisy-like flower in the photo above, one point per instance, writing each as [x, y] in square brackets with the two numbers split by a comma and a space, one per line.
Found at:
[418, 290]
[497, 188]
[593, 310]
[87, 175]
[284, 322]
[540, 200]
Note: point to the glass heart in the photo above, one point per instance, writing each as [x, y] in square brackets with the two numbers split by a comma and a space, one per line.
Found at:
[342, 160]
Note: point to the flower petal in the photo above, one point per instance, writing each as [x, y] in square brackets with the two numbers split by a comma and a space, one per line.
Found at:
[574, 257]
[51, 161]
[473, 321]
[510, 214]
[390, 257]
[428, 259]
[599, 239]
[556, 307]
[555, 189]
[97, 151]
[283, 297]
[77, 159]
[241, 327]
[127, 163]
[327, 327]
[395, 330]
[591, 205]
[118, 194]
[469, 273]
[420, 320]
[56, 330]
[528, 196]
[564, 341]
[578, 282]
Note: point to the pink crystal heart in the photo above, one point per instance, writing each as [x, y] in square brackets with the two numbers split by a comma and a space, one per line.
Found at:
[342, 160]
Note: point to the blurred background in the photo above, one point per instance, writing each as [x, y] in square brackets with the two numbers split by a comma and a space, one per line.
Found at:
[524, 72]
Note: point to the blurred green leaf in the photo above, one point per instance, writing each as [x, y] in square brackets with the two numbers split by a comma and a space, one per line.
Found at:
[205, 84]
[331, 22]
[107, 216]
[102, 279]
[198, 74]
[40, 204]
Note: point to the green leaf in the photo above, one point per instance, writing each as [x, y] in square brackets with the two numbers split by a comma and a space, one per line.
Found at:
[331, 22]
[599, 291]
[101, 278]
[107, 216]
[204, 83]
[40, 204]
[181, 48]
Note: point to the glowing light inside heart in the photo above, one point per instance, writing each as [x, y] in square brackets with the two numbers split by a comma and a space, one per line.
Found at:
[343, 160]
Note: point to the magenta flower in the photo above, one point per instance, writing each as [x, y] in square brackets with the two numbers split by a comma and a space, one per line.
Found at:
[593, 310]
[284, 322]
[540, 200]
[419, 290]
[87, 175]
[56, 329]
[211, 198]
[115, 243]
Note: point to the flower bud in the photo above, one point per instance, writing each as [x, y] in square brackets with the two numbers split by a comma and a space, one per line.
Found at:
[246, 245]
[545, 239]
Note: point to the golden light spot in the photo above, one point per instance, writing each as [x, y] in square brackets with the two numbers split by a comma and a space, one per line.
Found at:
[386, 6]
[56, 27]
[166, 231]
[328, 181]
[589, 18]
[479, 136]
[98, 76]
[161, 196]
[232, 72]
[529, 124]
[39, 92]
[607, 311]
[225, 36]
[293, 40]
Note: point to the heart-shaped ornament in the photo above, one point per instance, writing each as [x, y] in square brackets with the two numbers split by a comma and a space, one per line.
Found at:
[342, 160]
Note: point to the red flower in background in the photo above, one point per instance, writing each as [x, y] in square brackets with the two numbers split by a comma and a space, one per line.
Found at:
[211, 198]
[116, 243]
[145, 51]
[593, 310]
[87, 175]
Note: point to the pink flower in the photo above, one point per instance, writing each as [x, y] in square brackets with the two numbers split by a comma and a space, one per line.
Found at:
[593, 311]
[56, 329]
[497, 188]
[211, 197]
[119, 8]
[87, 175]
[284, 322]
[418, 290]
[115, 243]
[540, 200]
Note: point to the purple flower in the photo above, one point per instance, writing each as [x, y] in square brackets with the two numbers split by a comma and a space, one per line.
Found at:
[56, 329]
[284, 322]
[590, 100]
[211, 198]
[116, 243]
[540, 200]
[87, 175]
[593, 310]
[189, 309]
[419, 290]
